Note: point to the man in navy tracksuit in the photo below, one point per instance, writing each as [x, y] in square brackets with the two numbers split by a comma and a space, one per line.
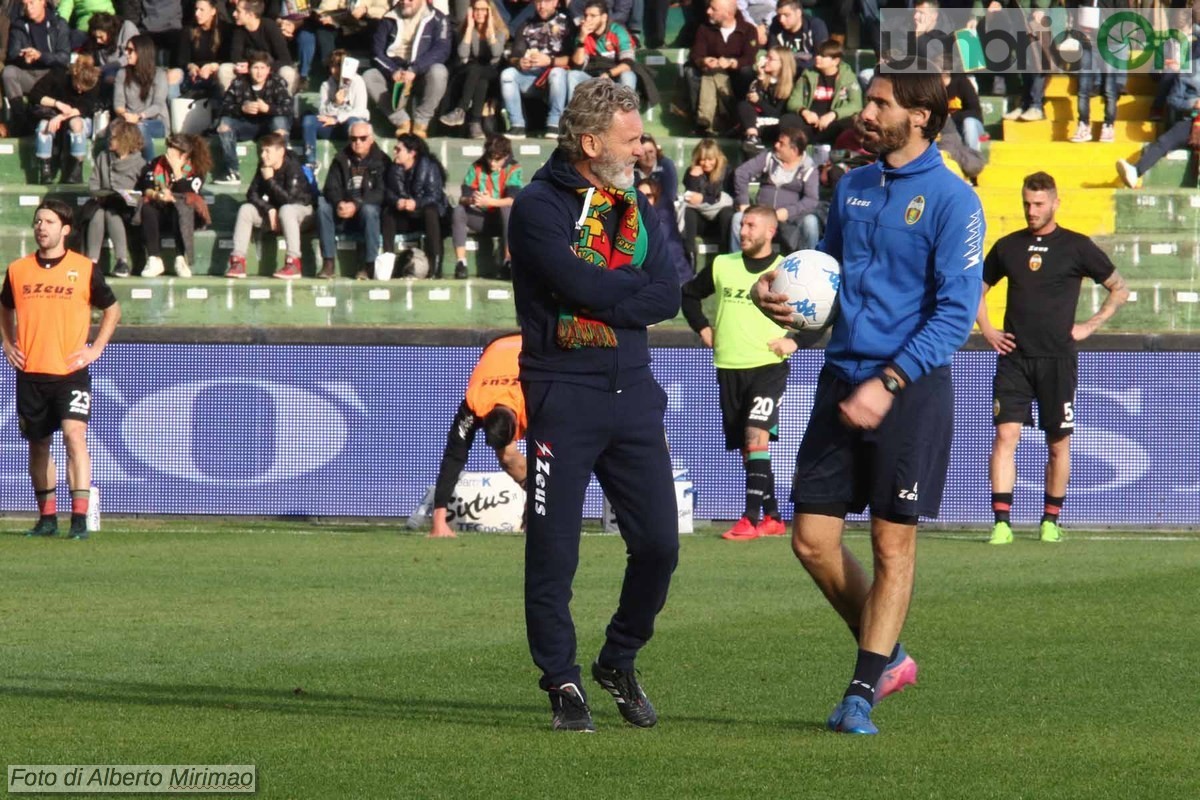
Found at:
[909, 236]
[589, 274]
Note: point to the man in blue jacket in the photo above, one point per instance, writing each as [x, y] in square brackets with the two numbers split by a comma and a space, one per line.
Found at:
[410, 49]
[590, 272]
[909, 236]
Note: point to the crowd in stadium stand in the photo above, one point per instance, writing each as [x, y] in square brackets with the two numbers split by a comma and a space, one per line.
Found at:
[771, 76]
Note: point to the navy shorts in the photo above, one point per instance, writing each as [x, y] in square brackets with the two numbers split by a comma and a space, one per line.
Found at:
[43, 405]
[898, 469]
[750, 398]
[1051, 381]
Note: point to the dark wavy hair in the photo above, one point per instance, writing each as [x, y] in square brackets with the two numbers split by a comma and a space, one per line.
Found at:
[419, 146]
[919, 88]
[142, 73]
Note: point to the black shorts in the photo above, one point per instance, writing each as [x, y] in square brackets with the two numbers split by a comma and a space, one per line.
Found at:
[43, 405]
[898, 469]
[750, 399]
[1051, 381]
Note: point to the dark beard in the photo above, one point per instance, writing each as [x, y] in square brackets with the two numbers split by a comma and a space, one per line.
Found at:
[889, 139]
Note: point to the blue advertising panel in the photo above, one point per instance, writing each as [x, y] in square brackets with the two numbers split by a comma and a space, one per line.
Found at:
[359, 431]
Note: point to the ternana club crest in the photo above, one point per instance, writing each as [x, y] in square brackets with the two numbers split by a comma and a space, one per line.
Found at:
[916, 207]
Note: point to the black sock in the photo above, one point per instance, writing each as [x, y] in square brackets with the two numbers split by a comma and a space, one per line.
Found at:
[770, 505]
[868, 669]
[1053, 508]
[758, 484]
[1001, 505]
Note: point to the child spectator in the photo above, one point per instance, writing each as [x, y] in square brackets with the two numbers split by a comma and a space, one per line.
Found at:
[280, 199]
[112, 186]
[708, 208]
[64, 101]
[343, 103]
[488, 191]
[170, 187]
[481, 42]
[255, 104]
[140, 93]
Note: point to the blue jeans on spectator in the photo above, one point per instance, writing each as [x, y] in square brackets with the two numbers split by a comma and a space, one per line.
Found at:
[241, 129]
[515, 82]
[313, 130]
[792, 234]
[972, 132]
[1097, 76]
[306, 48]
[77, 142]
[151, 128]
[366, 221]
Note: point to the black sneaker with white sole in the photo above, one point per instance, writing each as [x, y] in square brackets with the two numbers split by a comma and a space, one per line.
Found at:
[571, 712]
[632, 702]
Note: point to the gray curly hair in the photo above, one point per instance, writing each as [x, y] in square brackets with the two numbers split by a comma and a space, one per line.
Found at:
[591, 110]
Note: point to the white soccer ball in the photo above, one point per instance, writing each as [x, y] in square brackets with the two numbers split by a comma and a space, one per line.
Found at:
[811, 280]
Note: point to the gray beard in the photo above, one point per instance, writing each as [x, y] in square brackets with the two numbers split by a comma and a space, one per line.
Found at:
[613, 174]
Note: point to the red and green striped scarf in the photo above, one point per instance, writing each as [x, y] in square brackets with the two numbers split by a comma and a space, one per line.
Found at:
[595, 247]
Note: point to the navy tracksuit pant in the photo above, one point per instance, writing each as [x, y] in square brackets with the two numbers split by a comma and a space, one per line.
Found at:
[573, 431]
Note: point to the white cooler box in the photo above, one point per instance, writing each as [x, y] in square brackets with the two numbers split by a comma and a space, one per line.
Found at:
[190, 115]
[482, 501]
[684, 500]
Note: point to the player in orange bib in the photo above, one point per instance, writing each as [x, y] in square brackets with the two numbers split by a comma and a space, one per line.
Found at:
[494, 402]
[45, 313]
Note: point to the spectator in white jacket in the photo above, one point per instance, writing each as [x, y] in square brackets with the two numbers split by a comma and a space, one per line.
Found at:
[343, 103]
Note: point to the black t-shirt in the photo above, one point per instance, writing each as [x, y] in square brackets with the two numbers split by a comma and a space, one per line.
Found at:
[1044, 275]
[822, 99]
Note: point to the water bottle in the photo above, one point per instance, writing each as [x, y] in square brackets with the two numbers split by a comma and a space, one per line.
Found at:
[93, 513]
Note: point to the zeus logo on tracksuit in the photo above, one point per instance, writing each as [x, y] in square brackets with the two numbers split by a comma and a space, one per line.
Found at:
[541, 475]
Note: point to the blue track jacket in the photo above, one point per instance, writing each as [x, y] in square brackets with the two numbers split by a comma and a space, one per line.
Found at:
[910, 242]
[547, 276]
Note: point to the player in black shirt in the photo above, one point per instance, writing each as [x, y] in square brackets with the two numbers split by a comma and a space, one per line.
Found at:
[1045, 265]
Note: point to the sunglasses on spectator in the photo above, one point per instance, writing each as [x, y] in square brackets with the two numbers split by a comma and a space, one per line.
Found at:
[360, 138]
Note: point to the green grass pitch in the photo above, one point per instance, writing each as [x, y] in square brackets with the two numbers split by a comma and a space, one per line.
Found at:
[350, 661]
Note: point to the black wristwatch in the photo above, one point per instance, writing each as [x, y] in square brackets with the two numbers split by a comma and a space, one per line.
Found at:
[891, 383]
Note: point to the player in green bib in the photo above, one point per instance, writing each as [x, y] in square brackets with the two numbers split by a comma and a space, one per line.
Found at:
[751, 362]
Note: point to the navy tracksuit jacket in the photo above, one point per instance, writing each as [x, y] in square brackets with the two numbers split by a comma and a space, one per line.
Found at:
[590, 409]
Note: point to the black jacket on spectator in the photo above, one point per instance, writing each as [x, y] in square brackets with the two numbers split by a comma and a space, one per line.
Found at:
[287, 186]
[274, 92]
[267, 38]
[709, 190]
[425, 183]
[203, 51]
[58, 84]
[58, 54]
[803, 45]
[372, 169]
[964, 100]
